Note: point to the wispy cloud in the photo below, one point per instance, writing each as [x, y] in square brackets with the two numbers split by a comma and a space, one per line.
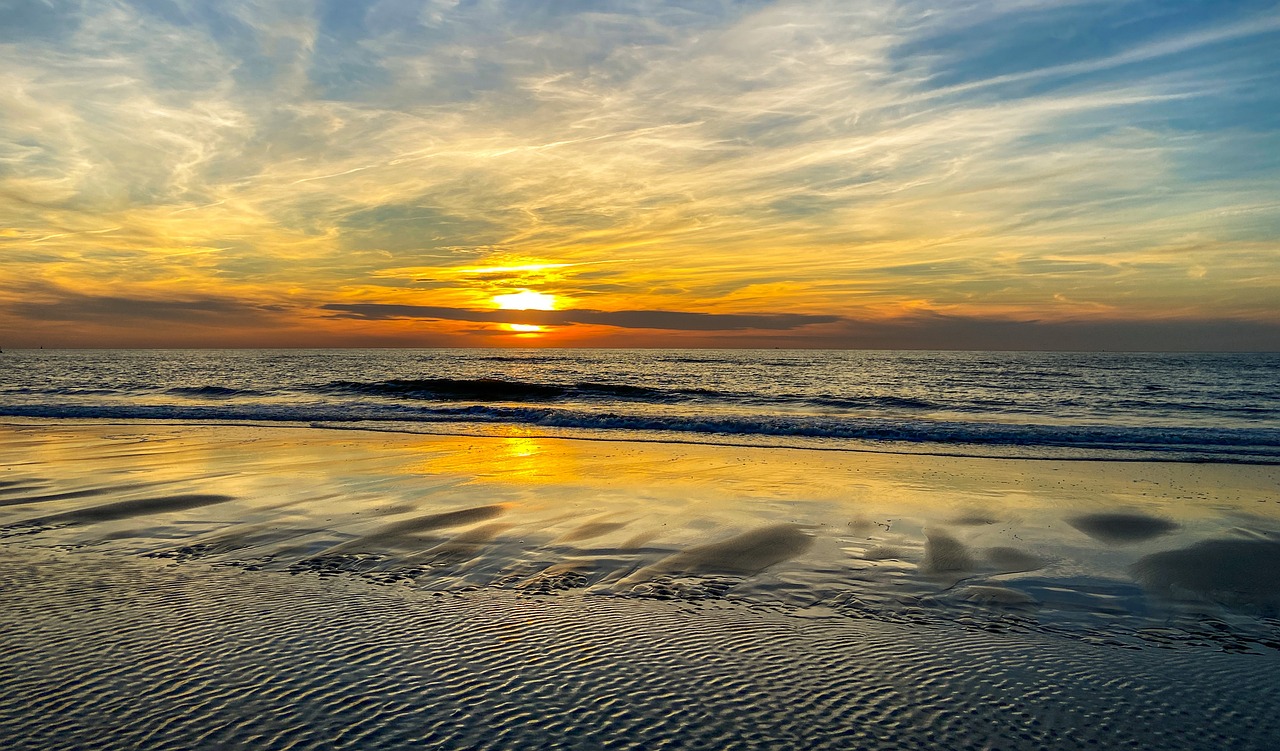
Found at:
[992, 159]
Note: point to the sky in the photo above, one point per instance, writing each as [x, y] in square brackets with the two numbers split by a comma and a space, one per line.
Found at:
[959, 174]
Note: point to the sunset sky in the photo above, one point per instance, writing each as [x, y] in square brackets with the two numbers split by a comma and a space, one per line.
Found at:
[992, 174]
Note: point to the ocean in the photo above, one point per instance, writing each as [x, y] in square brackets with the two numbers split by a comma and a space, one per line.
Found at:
[1175, 407]
[387, 549]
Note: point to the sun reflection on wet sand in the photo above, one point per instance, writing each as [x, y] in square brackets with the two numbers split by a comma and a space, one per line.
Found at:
[522, 510]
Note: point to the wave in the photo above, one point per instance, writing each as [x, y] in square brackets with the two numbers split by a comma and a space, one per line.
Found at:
[132, 390]
[59, 391]
[529, 358]
[499, 390]
[483, 389]
[489, 390]
[697, 360]
[1248, 445]
[212, 391]
[891, 402]
[740, 361]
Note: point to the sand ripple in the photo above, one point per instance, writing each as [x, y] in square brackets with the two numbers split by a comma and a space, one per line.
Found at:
[117, 653]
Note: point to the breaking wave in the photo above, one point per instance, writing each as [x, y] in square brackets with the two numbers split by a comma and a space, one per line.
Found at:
[1256, 445]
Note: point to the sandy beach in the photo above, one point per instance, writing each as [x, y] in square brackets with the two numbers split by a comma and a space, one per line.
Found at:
[181, 586]
[649, 375]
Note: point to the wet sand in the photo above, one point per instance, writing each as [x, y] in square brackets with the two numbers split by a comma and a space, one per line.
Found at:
[198, 587]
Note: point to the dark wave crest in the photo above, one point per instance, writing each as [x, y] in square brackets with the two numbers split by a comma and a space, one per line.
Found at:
[499, 390]
[879, 402]
[211, 391]
[449, 389]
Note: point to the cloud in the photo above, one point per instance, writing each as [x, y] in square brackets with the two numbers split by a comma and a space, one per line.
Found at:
[926, 331]
[629, 319]
[943, 332]
[51, 304]
[866, 158]
[50, 19]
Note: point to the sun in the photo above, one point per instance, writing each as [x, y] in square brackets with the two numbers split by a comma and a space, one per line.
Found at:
[525, 300]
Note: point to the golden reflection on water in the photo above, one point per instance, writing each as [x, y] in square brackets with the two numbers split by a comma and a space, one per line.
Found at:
[863, 484]
[357, 469]
[520, 458]
[517, 458]
[487, 506]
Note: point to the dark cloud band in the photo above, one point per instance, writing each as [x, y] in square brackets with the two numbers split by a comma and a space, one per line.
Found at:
[627, 319]
[53, 304]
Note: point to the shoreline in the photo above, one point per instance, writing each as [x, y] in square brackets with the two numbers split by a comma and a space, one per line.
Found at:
[1088, 543]
[504, 430]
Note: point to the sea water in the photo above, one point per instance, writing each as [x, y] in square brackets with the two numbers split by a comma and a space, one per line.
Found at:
[1149, 406]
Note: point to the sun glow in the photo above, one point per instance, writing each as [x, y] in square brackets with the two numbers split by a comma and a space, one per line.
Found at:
[525, 300]
[524, 328]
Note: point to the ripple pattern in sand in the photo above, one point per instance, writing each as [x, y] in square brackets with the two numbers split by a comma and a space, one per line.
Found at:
[117, 653]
